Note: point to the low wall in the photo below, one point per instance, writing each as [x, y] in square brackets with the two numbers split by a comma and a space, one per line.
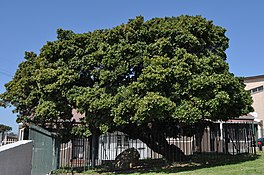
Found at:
[16, 158]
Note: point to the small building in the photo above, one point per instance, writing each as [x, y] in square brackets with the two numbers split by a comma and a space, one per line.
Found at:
[6, 138]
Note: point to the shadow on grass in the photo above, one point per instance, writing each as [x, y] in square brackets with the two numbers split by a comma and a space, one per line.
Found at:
[195, 162]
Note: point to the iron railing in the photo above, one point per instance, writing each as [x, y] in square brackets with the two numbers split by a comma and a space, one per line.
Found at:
[222, 138]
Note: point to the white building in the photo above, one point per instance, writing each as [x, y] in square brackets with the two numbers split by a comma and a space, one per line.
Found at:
[254, 85]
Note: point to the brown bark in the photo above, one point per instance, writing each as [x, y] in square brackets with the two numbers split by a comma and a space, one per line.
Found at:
[156, 140]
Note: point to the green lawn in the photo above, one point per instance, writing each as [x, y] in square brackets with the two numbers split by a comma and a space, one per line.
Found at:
[226, 165]
[243, 166]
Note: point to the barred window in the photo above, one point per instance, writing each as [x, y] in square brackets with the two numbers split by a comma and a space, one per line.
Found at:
[126, 141]
[119, 141]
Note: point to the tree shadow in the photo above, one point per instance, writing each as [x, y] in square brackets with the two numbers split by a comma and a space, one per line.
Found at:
[194, 162]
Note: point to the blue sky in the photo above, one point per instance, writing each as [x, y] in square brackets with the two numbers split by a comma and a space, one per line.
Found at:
[27, 25]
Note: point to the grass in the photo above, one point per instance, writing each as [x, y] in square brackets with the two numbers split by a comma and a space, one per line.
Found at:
[243, 166]
[227, 165]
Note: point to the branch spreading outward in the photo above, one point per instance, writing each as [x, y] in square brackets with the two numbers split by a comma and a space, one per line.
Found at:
[160, 73]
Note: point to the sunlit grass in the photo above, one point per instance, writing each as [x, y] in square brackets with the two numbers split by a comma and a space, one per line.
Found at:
[231, 167]
[227, 165]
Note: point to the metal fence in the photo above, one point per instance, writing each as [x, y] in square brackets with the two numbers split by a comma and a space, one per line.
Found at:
[8, 140]
[221, 138]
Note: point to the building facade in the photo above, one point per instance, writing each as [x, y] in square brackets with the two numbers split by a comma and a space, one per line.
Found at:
[254, 85]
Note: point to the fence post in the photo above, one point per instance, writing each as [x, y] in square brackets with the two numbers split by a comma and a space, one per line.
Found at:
[57, 151]
[93, 150]
[254, 139]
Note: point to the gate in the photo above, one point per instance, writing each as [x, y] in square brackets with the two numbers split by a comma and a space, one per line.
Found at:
[45, 150]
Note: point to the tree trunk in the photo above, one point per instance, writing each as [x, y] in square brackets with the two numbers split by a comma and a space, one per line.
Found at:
[94, 145]
[198, 141]
[156, 140]
[159, 144]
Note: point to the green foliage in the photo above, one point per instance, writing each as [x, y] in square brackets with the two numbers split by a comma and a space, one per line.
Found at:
[163, 71]
[4, 128]
[81, 130]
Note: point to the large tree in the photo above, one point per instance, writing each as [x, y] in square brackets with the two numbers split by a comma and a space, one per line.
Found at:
[145, 78]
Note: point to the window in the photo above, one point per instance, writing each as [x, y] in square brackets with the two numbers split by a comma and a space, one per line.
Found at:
[126, 141]
[122, 141]
[119, 141]
[256, 90]
[77, 148]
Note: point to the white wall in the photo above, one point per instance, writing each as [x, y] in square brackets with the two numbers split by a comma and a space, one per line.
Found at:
[16, 158]
[258, 98]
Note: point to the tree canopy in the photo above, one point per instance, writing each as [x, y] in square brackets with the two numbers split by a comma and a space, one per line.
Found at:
[5, 128]
[148, 75]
